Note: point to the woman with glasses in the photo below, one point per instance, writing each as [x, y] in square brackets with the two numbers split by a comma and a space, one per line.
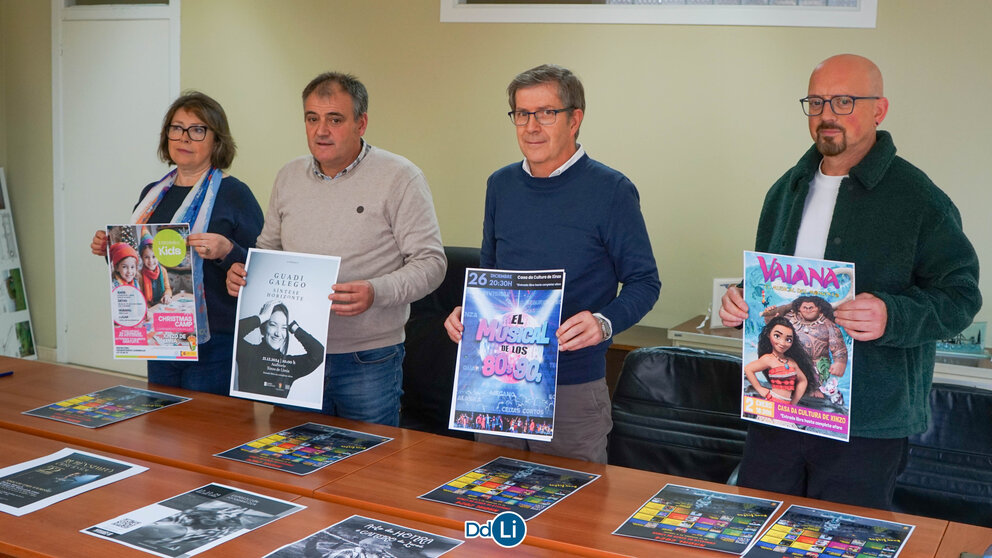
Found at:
[224, 220]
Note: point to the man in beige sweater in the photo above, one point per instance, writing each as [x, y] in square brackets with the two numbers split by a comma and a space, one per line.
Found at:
[373, 209]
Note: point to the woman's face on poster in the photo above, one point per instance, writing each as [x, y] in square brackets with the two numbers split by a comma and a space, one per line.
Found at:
[276, 330]
[781, 338]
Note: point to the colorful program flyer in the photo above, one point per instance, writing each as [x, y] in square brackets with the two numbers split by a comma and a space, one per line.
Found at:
[151, 292]
[304, 449]
[282, 327]
[39, 483]
[361, 536]
[815, 533]
[106, 406]
[190, 523]
[505, 378]
[700, 518]
[506, 484]
[796, 359]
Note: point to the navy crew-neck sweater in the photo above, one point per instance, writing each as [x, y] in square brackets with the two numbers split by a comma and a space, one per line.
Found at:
[588, 222]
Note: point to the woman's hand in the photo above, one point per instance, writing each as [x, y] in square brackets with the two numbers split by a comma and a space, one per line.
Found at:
[99, 244]
[266, 312]
[210, 246]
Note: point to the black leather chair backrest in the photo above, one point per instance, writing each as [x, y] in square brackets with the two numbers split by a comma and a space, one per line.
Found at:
[949, 471]
[429, 366]
[677, 411]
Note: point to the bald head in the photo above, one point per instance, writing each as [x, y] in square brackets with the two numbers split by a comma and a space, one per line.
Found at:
[844, 139]
[857, 71]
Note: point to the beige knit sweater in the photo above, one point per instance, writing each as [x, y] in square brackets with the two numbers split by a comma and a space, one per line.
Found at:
[379, 218]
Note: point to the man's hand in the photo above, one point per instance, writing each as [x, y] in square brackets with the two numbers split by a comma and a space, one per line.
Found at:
[99, 244]
[864, 318]
[236, 279]
[351, 298]
[733, 309]
[580, 331]
[453, 324]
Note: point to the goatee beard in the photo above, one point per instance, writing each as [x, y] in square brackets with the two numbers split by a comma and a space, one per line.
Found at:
[831, 147]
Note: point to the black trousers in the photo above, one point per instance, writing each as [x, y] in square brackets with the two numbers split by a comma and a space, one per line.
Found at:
[861, 471]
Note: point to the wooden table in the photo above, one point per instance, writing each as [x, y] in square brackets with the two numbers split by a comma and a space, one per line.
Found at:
[54, 530]
[961, 537]
[320, 514]
[178, 444]
[186, 435]
[582, 523]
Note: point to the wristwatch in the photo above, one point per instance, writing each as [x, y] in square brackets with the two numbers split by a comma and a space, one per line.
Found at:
[604, 325]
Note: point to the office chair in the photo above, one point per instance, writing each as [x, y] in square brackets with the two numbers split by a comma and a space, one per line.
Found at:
[677, 411]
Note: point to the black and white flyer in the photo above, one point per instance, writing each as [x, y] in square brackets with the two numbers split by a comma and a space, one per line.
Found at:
[39, 483]
[282, 327]
[362, 536]
[193, 522]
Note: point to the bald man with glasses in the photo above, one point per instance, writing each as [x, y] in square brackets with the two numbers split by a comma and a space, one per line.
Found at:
[850, 198]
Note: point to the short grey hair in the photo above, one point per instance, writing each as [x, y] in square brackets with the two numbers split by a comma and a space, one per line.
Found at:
[323, 86]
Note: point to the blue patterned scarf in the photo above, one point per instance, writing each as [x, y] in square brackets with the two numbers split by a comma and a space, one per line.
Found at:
[195, 210]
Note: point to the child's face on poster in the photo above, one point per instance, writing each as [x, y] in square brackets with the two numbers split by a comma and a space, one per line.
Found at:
[148, 258]
[127, 269]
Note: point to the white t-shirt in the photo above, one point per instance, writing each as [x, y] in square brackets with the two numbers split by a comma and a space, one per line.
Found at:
[818, 211]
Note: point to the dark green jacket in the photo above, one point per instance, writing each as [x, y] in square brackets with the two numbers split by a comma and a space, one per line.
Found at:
[904, 236]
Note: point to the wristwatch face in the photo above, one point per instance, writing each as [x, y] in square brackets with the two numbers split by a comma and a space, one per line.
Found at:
[604, 328]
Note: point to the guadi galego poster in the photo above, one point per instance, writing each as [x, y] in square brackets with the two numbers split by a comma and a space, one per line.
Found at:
[282, 326]
[507, 364]
[796, 359]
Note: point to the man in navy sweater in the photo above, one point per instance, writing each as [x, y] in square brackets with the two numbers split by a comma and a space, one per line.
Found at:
[559, 209]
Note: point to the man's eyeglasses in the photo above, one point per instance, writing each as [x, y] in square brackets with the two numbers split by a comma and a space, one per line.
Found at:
[195, 133]
[840, 104]
[544, 117]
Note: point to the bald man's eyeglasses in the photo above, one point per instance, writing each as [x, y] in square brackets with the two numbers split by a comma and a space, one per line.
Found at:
[839, 104]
